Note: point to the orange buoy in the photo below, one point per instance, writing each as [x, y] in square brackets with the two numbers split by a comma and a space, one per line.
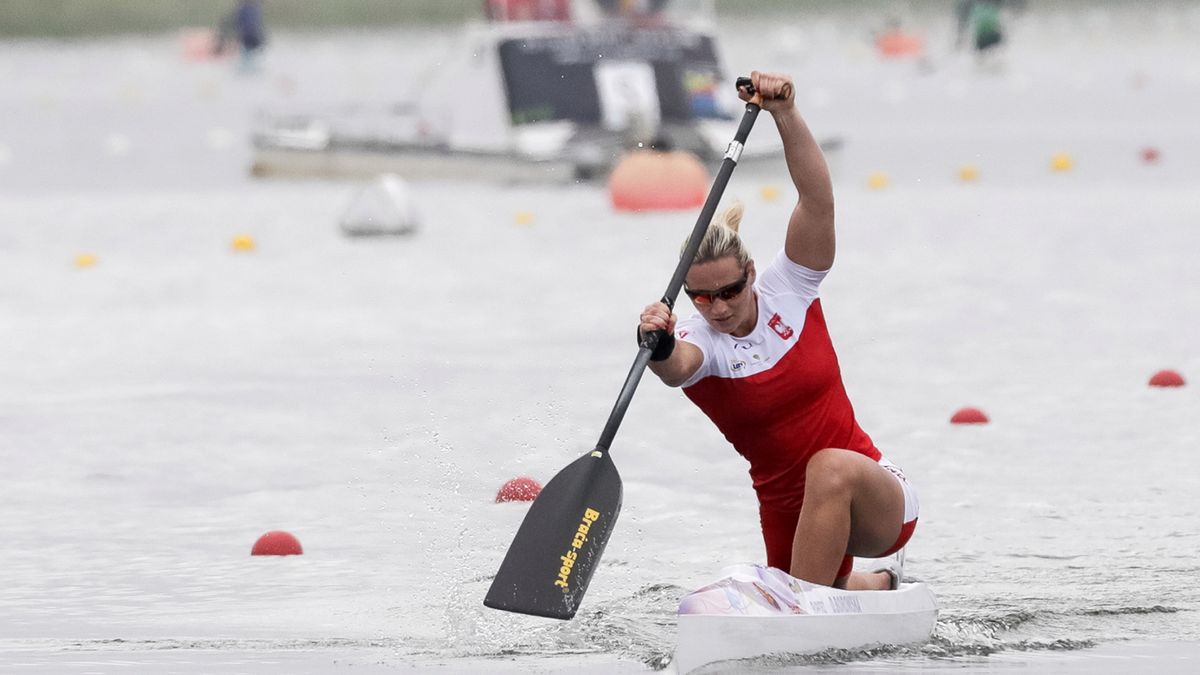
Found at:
[1166, 378]
[648, 180]
[277, 542]
[969, 416]
[201, 44]
[520, 489]
[897, 44]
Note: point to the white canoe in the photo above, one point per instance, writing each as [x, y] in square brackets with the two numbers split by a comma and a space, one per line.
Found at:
[755, 611]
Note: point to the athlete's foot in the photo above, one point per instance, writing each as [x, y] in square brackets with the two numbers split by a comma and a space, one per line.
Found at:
[869, 581]
[893, 569]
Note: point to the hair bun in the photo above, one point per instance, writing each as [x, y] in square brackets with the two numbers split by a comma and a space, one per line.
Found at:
[721, 238]
[731, 217]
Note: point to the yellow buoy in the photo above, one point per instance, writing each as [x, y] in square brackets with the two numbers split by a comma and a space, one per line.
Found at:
[1061, 161]
[243, 243]
[286, 85]
[208, 90]
[84, 260]
[132, 94]
[769, 193]
[523, 217]
[878, 180]
[968, 173]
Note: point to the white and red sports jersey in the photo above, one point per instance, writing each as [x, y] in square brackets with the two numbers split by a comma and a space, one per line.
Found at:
[776, 394]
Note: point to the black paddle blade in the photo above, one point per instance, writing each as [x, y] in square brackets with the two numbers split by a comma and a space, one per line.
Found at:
[556, 550]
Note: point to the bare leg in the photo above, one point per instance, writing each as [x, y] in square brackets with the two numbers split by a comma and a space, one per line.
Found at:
[852, 506]
[823, 531]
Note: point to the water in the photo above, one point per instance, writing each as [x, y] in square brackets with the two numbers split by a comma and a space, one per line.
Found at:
[163, 408]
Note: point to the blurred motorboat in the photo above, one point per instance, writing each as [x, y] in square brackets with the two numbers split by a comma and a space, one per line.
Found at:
[558, 92]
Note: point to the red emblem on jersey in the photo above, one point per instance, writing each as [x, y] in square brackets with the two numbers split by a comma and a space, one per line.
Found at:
[683, 333]
[781, 329]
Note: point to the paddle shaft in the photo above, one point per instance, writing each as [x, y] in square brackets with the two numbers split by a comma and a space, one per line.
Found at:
[557, 549]
[648, 342]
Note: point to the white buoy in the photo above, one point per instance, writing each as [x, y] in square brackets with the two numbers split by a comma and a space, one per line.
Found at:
[117, 144]
[218, 138]
[385, 206]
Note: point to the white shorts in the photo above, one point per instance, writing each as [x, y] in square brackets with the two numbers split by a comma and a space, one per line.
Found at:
[912, 508]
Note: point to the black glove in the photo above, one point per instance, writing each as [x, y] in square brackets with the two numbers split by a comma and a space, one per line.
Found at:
[666, 344]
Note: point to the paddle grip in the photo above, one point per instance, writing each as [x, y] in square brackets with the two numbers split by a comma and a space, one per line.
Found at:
[746, 83]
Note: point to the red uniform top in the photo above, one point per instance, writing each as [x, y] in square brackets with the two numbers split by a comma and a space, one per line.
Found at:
[777, 394]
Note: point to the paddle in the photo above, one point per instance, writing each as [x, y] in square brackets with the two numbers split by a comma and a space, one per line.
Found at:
[557, 548]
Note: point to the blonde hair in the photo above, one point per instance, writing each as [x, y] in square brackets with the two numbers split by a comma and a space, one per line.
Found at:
[721, 240]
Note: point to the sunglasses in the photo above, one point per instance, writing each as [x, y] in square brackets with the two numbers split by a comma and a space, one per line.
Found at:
[725, 293]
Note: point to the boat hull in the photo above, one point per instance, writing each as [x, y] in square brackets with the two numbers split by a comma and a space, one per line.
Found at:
[415, 164]
[758, 611]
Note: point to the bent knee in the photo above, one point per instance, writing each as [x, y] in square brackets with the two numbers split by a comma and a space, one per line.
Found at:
[832, 470]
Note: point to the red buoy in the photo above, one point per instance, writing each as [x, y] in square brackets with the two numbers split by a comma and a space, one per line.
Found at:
[1150, 155]
[520, 489]
[1166, 378]
[277, 542]
[969, 416]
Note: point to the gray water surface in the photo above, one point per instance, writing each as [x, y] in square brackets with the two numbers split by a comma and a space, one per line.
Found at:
[163, 408]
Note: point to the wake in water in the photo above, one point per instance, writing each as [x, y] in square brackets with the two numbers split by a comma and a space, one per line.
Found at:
[642, 628]
[216, 644]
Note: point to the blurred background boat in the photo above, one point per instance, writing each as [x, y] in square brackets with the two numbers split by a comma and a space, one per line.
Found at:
[549, 90]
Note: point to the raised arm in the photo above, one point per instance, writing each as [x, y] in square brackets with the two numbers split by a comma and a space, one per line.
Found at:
[810, 237]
